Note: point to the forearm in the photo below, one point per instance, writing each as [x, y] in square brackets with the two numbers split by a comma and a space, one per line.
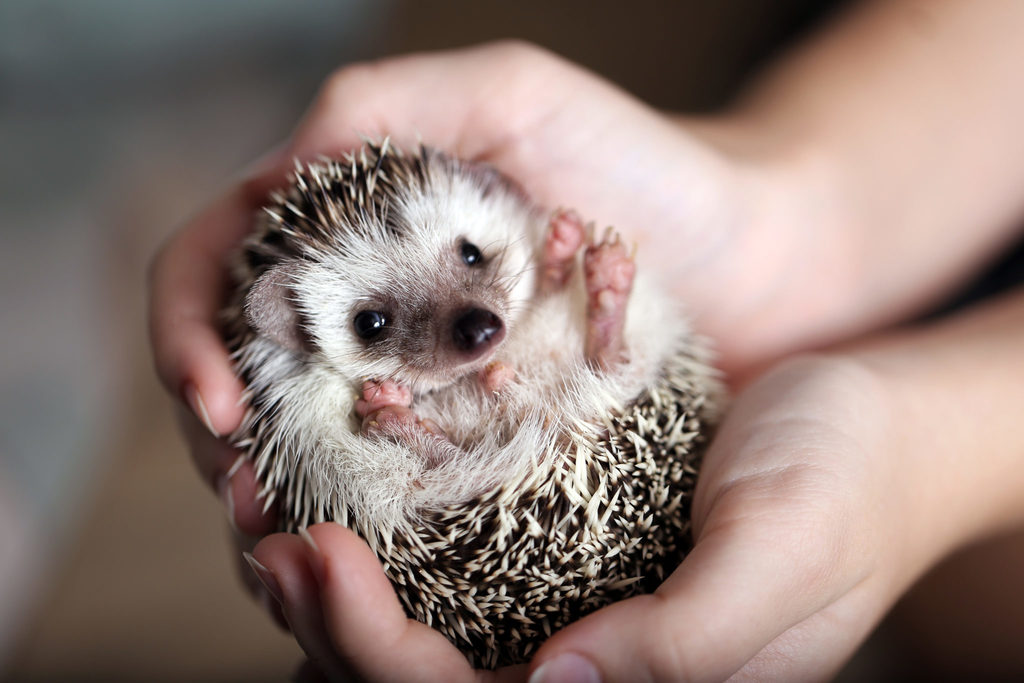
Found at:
[892, 143]
[958, 393]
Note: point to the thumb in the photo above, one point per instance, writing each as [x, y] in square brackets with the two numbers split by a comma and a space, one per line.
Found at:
[733, 595]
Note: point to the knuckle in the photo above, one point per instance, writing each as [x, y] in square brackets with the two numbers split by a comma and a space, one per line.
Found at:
[822, 527]
[348, 82]
[514, 56]
[516, 49]
[671, 657]
[349, 96]
[819, 557]
[667, 651]
[813, 525]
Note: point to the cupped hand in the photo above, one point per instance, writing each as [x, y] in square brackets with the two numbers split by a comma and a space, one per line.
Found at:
[806, 533]
[569, 138]
[346, 616]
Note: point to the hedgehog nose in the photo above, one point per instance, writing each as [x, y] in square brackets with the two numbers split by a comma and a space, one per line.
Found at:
[477, 330]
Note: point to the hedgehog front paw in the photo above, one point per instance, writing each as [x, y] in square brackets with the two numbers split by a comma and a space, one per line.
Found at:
[385, 409]
[565, 237]
[377, 395]
[608, 270]
[495, 376]
[389, 420]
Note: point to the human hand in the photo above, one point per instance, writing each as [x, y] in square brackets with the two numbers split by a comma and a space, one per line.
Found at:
[567, 137]
[346, 616]
[806, 533]
[571, 144]
[832, 484]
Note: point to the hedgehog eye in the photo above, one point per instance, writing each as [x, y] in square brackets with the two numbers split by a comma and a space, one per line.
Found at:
[369, 324]
[471, 255]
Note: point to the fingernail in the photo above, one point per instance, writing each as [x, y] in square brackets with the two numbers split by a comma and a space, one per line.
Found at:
[195, 401]
[276, 610]
[567, 667]
[228, 498]
[316, 558]
[266, 577]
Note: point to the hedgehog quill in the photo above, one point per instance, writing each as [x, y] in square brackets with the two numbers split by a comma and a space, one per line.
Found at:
[493, 397]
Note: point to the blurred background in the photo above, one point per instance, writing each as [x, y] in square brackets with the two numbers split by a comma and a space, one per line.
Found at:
[119, 119]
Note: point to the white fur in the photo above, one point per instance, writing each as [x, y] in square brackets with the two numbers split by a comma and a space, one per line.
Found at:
[317, 445]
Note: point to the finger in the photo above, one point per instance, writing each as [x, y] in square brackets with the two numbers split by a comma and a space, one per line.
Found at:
[738, 590]
[818, 647]
[470, 102]
[367, 623]
[248, 513]
[189, 280]
[243, 547]
[188, 283]
[232, 476]
[281, 565]
[491, 103]
[451, 99]
[212, 457]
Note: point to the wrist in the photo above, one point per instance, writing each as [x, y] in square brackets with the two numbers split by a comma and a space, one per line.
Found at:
[955, 389]
[909, 512]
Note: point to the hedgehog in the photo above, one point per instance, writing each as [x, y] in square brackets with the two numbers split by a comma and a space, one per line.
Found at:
[489, 394]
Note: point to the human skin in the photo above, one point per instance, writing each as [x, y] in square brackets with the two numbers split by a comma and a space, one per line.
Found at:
[842, 194]
[834, 482]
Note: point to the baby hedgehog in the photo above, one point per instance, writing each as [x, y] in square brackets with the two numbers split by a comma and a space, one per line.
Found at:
[488, 395]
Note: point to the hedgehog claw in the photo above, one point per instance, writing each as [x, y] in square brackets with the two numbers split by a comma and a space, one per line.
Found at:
[496, 376]
[377, 395]
[386, 409]
[391, 420]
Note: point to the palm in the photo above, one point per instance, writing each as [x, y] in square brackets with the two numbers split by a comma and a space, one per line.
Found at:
[570, 140]
[785, 579]
[788, 573]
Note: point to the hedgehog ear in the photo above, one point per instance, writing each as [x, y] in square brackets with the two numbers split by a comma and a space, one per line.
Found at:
[270, 308]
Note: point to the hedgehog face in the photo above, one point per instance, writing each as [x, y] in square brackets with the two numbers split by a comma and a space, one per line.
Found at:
[425, 322]
[425, 293]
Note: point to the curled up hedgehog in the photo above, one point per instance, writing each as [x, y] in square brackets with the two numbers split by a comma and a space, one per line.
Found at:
[489, 395]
